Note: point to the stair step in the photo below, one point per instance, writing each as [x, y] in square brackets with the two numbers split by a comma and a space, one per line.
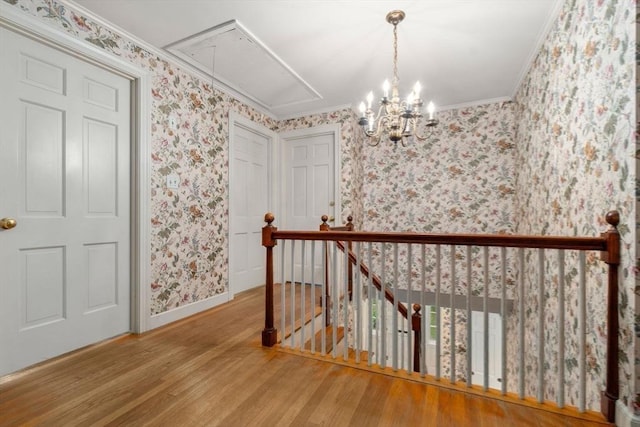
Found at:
[298, 323]
[328, 331]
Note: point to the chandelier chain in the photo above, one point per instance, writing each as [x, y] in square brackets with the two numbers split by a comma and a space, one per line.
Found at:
[396, 80]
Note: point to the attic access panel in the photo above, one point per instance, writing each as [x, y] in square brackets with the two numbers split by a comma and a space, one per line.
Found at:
[244, 64]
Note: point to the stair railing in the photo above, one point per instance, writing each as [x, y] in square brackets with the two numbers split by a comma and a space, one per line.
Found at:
[608, 244]
[416, 317]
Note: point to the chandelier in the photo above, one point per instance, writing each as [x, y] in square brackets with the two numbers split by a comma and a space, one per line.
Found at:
[399, 119]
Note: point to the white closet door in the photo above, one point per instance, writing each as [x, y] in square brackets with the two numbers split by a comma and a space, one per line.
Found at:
[64, 168]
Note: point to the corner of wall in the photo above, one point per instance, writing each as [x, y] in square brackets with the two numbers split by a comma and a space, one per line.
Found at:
[624, 416]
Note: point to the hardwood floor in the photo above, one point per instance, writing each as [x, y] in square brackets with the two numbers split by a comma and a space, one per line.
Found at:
[210, 370]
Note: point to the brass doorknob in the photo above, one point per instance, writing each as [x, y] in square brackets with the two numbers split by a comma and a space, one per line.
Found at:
[332, 219]
[8, 223]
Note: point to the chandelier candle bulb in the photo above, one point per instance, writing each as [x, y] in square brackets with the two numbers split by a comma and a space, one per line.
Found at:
[397, 118]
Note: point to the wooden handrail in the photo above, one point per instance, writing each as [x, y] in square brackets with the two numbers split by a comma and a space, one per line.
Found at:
[608, 243]
[495, 240]
[375, 279]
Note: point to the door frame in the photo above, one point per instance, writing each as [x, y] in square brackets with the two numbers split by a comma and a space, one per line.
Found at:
[327, 129]
[272, 163]
[14, 20]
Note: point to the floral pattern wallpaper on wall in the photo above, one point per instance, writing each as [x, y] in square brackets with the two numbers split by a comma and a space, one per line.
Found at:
[553, 161]
[576, 152]
[460, 180]
[189, 225]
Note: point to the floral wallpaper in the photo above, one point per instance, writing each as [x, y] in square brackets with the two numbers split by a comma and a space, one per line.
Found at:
[189, 225]
[575, 151]
[460, 180]
[553, 161]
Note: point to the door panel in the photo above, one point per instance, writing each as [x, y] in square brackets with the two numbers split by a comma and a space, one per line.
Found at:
[309, 192]
[495, 349]
[65, 137]
[250, 194]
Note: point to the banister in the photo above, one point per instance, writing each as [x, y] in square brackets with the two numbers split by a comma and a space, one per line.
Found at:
[608, 243]
[514, 241]
[375, 279]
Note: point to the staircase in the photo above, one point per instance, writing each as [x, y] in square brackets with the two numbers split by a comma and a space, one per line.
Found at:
[323, 340]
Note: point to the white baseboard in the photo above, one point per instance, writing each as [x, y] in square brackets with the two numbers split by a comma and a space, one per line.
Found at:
[624, 416]
[178, 313]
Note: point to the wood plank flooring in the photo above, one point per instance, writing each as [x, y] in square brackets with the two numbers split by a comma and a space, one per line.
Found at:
[210, 370]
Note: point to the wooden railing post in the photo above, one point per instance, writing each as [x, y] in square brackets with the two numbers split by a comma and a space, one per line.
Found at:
[269, 333]
[349, 227]
[416, 325]
[612, 257]
[325, 227]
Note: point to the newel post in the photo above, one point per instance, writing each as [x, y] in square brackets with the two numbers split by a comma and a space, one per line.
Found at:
[416, 325]
[269, 333]
[325, 227]
[349, 227]
[612, 257]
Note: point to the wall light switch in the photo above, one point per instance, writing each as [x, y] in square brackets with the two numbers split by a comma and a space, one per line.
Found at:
[173, 122]
[173, 181]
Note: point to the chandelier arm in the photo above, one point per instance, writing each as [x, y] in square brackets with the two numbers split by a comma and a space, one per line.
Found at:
[420, 137]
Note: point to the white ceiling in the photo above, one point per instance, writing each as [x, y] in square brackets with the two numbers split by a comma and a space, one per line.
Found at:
[335, 51]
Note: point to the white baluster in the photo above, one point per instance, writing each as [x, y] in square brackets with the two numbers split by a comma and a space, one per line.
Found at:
[582, 334]
[357, 294]
[345, 301]
[485, 313]
[394, 335]
[561, 328]
[409, 313]
[283, 291]
[541, 304]
[469, 319]
[383, 309]
[503, 312]
[370, 297]
[438, 322]
[423, 319]
[521, 349]
[293, 294]
[452, 320]
[303, 317]
[313, 296]
[335, 300]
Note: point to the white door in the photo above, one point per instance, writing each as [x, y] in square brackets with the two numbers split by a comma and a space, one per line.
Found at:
[64, 169]
[495, 349]
[249, 189]
[309, 188]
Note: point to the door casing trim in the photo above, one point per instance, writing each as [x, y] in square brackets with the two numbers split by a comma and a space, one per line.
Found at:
[272, 163]
[332, 129]
[11, 18]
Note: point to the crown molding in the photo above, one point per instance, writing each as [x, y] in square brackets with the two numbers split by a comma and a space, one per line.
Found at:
[552, 18]
[171, 58]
